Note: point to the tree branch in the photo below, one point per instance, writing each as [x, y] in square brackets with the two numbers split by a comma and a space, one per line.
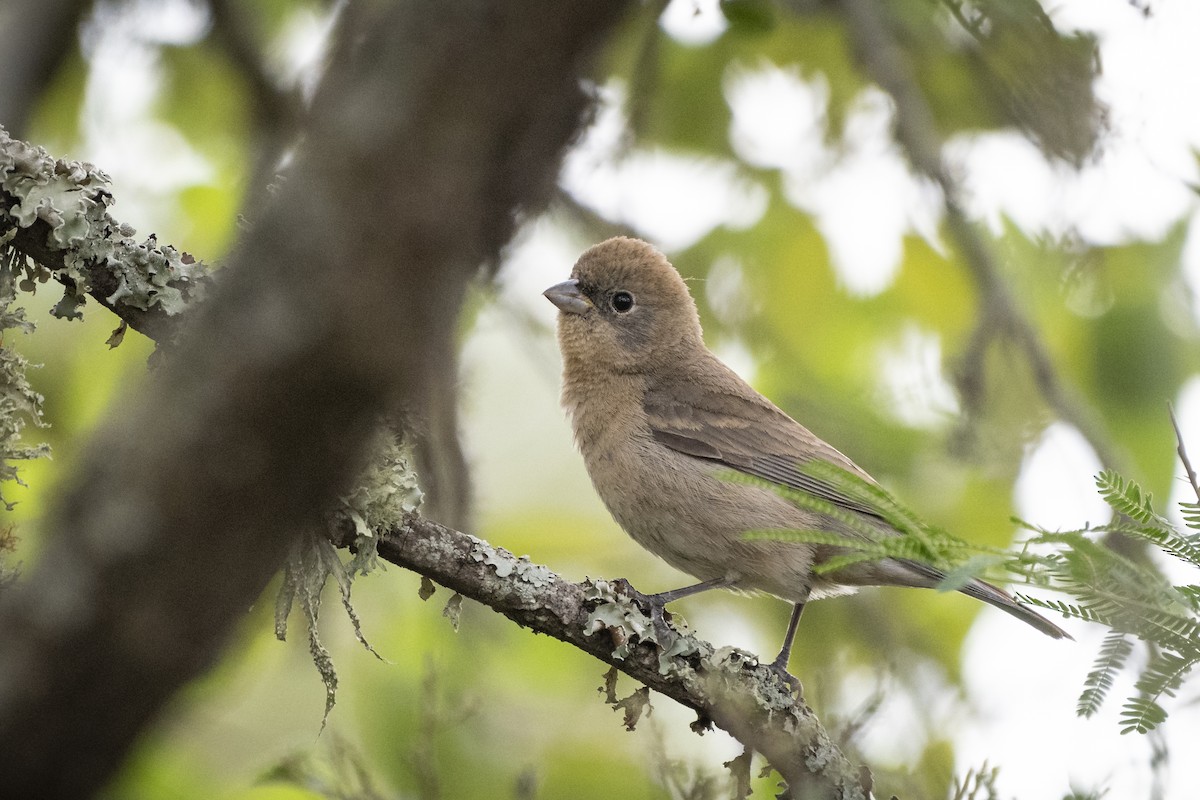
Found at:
[1000, 315]
[726, 686]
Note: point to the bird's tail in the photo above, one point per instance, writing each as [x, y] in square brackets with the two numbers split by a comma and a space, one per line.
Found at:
[992, 595]
[995, 596]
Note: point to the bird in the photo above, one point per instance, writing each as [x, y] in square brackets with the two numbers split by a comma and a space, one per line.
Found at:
[662, 423]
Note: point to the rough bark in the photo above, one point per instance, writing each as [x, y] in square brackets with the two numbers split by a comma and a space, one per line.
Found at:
[725, 686]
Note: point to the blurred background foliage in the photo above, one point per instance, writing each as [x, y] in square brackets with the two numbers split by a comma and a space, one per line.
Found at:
[746, 139]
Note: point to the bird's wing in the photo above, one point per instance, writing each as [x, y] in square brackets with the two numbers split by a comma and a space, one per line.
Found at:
[735, 426]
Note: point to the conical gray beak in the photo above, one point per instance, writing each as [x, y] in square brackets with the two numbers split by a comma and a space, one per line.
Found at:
[568, 298]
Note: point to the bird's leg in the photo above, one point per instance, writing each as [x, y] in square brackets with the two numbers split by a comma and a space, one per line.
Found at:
[655, 604]
[780, 664]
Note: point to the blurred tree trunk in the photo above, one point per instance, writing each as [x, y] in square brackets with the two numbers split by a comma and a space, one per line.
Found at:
[35, 38]
[434, 127]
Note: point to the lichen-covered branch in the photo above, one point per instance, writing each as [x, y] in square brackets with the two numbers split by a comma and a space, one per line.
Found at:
[724, 685]
[54, 218]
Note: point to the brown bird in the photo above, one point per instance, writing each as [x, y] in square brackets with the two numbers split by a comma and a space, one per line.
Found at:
[658, 419]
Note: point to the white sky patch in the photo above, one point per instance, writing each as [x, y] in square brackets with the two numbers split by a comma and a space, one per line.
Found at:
[916, 391]
[779, 121]
[1055, 488]
[673, 200]
[1004, 174]
[779, 117]
[1121, 198]
[148, 160]
[1024, 687]
[1139, 185]
[1150, 64]
[297, 56]
[694, 22]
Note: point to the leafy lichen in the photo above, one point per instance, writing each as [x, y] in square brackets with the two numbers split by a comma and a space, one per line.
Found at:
[385, 493]
[20, 405]
[72, 199]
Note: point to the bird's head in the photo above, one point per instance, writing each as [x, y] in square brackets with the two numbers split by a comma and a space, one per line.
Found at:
[625, 308]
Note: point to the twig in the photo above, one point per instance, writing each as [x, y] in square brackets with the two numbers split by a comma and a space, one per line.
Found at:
[1000, 315]
[274, 107]
[1183, 456]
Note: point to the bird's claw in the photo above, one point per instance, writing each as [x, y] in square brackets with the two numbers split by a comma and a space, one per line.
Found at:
[663, 632]
[780, 670]
[643, 601]
[654, 607]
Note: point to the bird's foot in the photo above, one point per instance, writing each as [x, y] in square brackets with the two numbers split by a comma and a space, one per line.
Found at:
[779, 667]
[653, 606]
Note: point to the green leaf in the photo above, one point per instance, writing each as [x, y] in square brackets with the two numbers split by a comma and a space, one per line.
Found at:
[749, 16]
[1142, 715]
[1113, 654]
[1127, 497]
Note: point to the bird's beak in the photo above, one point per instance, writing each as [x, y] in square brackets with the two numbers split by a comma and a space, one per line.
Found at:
[568, 298]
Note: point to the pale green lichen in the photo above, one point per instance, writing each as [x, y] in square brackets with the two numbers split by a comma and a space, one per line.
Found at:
[619, 615]
[386, 491]
[73, 197]
[505, 563]
[453, 610]
[20, 405]
[624, 620]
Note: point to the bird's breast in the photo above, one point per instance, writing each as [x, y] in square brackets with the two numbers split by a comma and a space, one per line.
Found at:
[681, 509]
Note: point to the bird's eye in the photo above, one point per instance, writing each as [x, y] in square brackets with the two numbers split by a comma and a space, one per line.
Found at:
[621, 302]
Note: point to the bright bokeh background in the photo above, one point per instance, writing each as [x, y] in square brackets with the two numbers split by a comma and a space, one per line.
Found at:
[765, 167]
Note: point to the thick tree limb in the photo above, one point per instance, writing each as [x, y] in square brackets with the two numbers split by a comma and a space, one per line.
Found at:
[435, 124]
[725, 686]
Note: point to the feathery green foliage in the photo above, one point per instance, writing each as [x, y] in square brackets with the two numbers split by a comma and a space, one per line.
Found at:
[1132, 598]
[919, 541]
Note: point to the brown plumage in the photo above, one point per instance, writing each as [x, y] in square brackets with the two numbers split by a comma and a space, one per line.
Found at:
[658, 417]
